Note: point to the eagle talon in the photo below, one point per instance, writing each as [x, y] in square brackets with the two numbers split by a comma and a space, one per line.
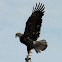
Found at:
[29, 52]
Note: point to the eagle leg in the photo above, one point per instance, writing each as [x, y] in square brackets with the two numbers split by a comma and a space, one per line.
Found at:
[29, 52]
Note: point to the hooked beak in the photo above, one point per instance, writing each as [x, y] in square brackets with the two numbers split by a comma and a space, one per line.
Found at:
[15, 36]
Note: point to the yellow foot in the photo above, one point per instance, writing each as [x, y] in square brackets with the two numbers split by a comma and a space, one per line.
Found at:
[29, 53]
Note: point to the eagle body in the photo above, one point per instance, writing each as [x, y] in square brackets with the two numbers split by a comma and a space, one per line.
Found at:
[28, 42]
[32, 30]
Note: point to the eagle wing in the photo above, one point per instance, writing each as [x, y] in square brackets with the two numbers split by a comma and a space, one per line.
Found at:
[32, 29]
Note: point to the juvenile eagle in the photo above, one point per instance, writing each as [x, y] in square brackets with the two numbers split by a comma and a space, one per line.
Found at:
[32, 30]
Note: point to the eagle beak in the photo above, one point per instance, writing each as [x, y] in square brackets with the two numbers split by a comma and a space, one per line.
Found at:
[16, 36]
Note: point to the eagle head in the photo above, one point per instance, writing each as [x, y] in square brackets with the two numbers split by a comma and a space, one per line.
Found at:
[18, 35]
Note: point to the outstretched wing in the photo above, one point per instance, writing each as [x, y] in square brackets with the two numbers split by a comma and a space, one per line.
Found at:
[33, 24]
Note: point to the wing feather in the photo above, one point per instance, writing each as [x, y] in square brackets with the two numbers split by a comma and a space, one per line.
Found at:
[33, 24]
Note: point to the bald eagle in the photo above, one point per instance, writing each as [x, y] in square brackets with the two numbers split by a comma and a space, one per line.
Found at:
[32, 30]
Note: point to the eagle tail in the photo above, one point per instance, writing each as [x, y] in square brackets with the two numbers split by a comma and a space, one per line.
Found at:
[40, 45]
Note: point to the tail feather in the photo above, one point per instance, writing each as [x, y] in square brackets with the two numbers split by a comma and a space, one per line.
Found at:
[40, 45]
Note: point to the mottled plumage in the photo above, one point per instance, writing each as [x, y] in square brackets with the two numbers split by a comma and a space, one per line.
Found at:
[32, 30]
